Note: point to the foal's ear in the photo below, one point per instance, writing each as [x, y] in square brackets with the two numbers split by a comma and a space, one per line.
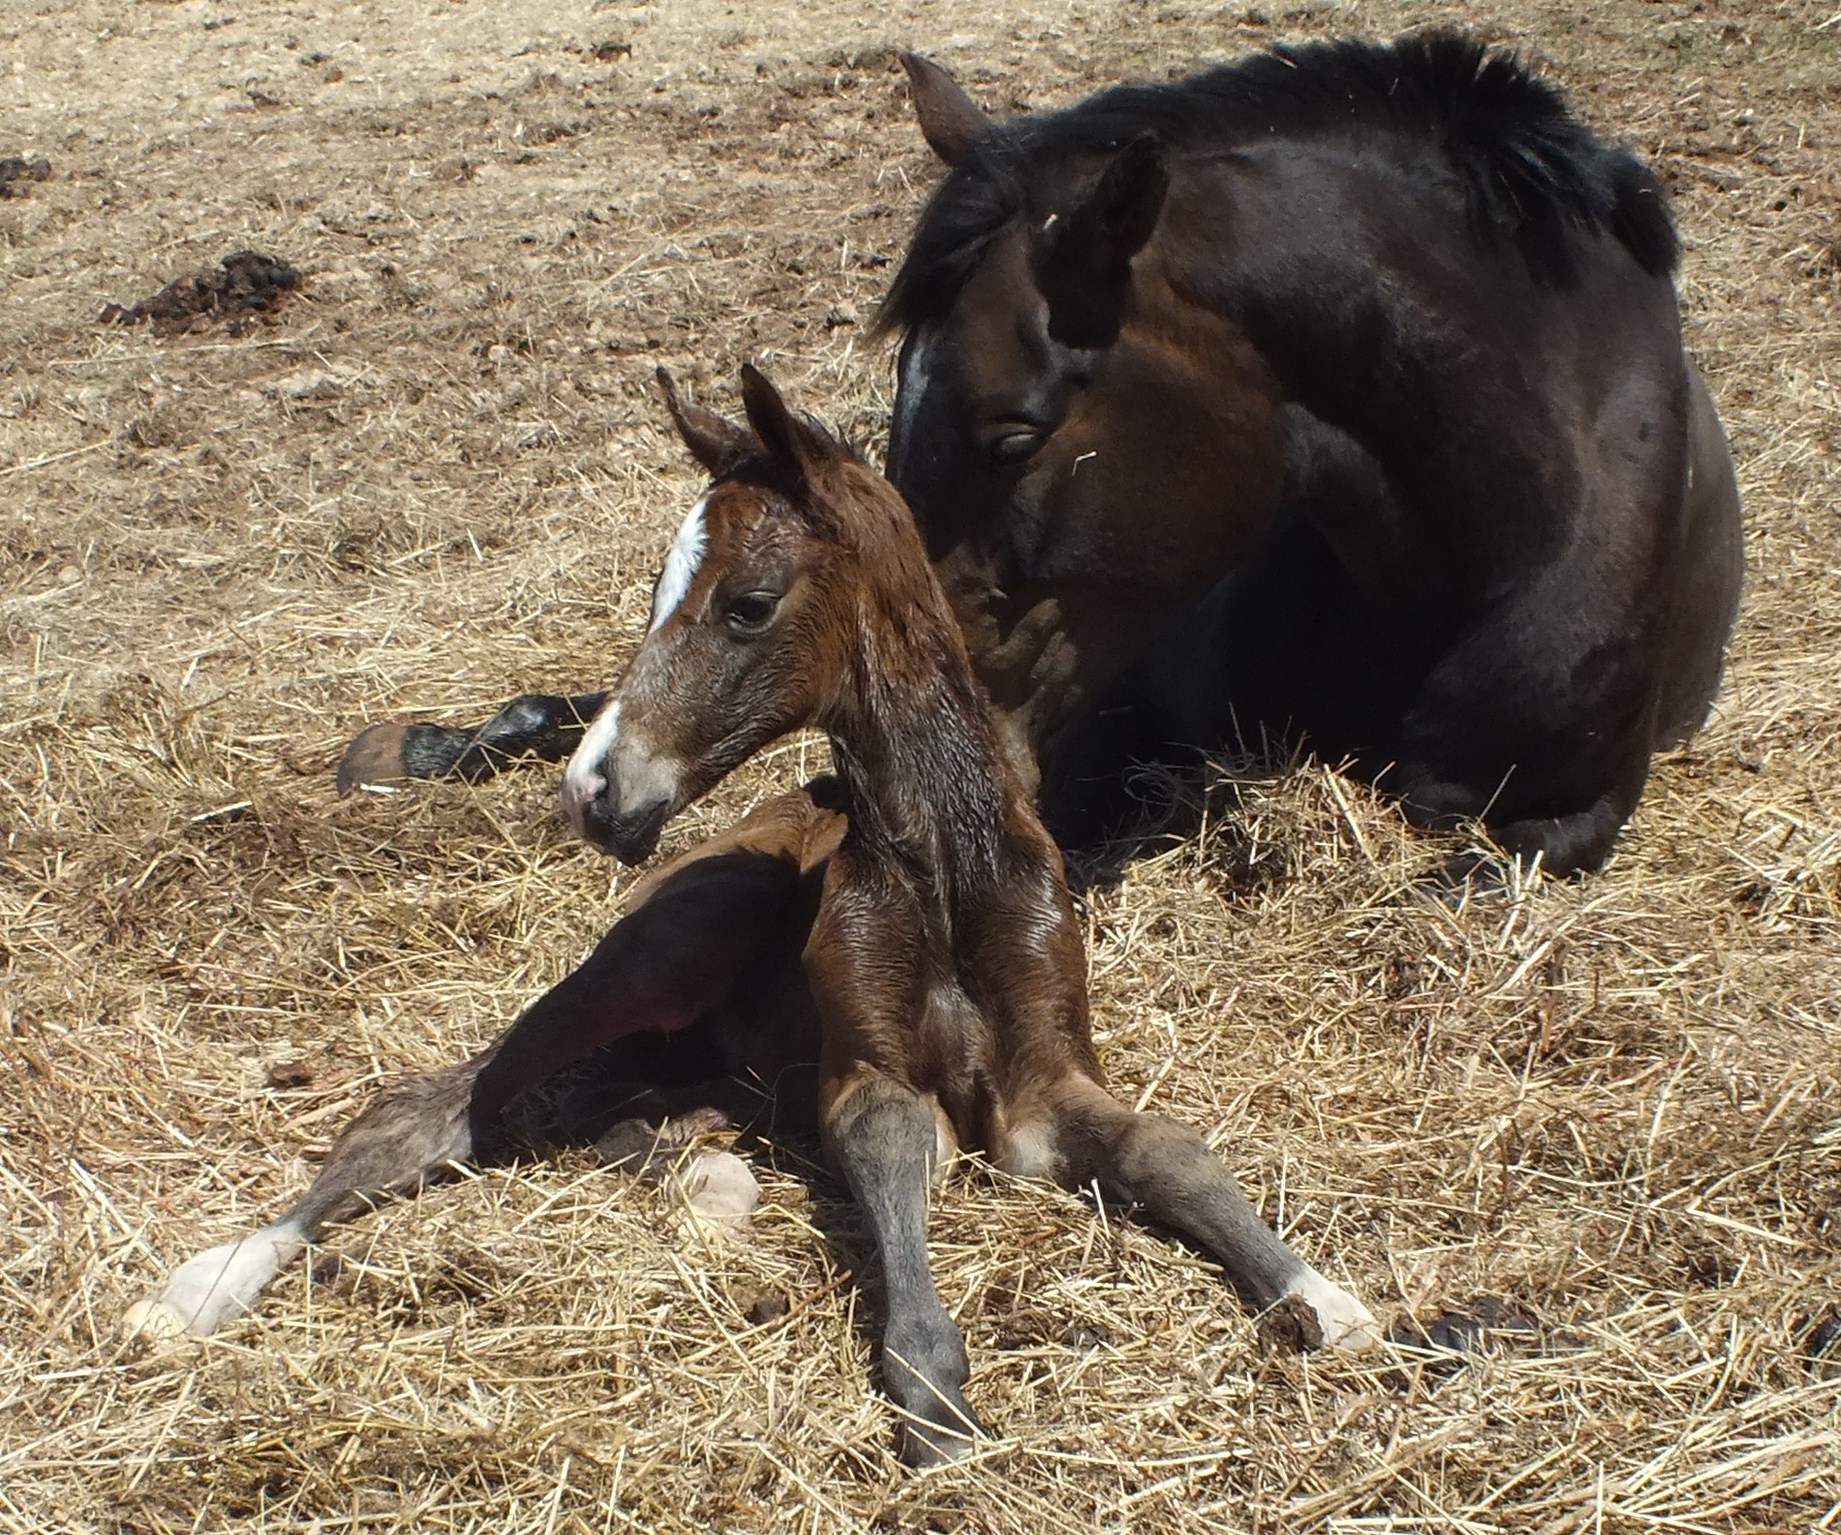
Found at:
[950, 121]
[793, 447]
[1084, 261]
[714, 441]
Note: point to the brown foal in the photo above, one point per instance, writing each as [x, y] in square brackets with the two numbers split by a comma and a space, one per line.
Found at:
[942, 987]
[945, 960]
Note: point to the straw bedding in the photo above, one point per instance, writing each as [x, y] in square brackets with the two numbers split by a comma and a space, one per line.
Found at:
[1582, 1145]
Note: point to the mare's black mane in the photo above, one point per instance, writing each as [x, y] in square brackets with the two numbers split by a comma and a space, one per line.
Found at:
[1521, 162]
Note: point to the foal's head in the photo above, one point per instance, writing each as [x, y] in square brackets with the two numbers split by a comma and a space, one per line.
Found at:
[794, 551]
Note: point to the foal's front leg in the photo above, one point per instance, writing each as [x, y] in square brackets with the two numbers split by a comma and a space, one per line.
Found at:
[1169, 1171]
[882, 1136]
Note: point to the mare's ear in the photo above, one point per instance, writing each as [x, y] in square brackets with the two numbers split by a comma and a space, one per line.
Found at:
[1083, 264]
[794, 448]
[714, 441]
[950, 121]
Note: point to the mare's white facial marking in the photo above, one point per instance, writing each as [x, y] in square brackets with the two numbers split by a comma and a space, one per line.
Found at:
[681, 563]
[584, 778]
[913, 381]
[217, 1286]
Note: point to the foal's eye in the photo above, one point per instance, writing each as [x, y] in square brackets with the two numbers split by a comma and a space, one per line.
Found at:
[751, 612]
[1015, 446]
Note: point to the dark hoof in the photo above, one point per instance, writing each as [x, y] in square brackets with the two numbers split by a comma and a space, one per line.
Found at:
[949, 1432]
[1474, 877]
[375, 756]
[390, 753]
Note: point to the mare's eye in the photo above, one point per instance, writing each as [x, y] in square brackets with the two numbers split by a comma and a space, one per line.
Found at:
[1014, 445]
[751, 612]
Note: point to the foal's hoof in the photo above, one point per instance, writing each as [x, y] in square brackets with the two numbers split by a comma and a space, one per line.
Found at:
[153, 1321]
[718, 1186]
[1342, 1321]
[216, 1287]
[949, 1433]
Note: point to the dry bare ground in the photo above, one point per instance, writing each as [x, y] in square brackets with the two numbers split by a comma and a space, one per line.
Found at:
[436, 477]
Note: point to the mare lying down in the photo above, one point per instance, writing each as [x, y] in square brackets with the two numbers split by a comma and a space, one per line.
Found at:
[942, 989]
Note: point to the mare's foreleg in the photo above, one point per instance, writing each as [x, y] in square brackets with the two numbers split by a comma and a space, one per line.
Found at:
[882, 1136]
[535, 727]
[699, 929]
[1168, 1171]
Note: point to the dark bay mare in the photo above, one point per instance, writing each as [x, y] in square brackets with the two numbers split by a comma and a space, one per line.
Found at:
[1335, 395]
[942, 990]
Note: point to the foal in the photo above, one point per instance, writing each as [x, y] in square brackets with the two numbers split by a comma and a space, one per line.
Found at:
[945, 960]
[942, 987]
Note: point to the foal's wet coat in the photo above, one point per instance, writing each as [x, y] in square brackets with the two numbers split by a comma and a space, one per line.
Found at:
[944, 960]
[942, 981]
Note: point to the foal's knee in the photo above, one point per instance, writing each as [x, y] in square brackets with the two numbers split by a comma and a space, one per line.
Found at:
[882, 1126]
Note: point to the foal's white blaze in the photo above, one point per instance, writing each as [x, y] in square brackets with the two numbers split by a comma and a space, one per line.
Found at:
[1346, 1322]
[681, 562]
[584, 777]
[217, 1286]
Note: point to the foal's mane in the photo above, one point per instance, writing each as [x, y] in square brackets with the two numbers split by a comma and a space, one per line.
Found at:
[1520, 161]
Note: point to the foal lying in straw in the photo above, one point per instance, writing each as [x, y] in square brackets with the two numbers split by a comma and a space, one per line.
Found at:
[945, 959]
[944, 964]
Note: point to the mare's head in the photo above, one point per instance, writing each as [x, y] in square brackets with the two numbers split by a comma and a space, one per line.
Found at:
[1085, 442]
[756, 617]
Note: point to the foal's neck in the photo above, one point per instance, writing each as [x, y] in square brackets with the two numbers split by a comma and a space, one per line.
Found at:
[929, 785]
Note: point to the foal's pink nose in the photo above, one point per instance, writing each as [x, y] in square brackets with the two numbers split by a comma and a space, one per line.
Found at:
[581, 788]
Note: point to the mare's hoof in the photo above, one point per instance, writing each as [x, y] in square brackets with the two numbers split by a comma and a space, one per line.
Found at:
[377, 755]
[1475, 876]
[389, 753]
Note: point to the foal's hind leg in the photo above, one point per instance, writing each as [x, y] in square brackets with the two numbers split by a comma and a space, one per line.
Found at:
[883, 1137]
[540, 727]
[703, 925]
[1168, 1170]
[401, 1140]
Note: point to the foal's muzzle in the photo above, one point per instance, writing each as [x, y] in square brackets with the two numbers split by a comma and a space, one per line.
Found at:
[617, 793]
[630, 834]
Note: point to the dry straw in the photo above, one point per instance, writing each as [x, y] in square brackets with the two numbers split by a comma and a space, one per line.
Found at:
[1605, 1117]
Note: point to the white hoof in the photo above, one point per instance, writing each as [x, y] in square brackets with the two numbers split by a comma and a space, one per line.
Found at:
[1347, 1324]
[719, 1186]
[215, 1287]
[153, 1320]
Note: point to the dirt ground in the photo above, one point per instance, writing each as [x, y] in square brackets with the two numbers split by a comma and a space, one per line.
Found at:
[1605, 1117]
